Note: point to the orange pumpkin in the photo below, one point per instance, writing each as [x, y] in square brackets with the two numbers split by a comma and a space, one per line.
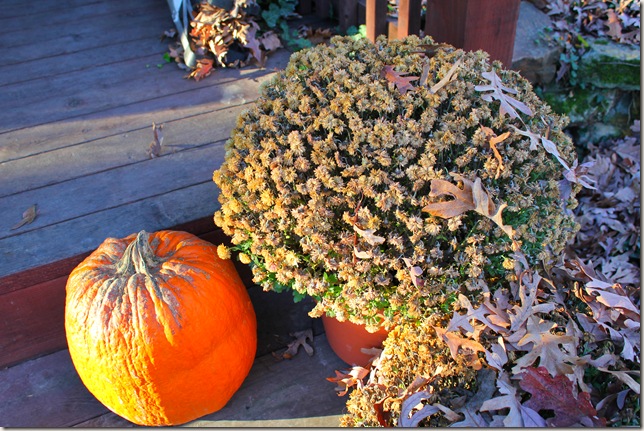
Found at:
[160, 329]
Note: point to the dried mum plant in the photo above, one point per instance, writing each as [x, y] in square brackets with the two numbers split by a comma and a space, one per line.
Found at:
[387, 179]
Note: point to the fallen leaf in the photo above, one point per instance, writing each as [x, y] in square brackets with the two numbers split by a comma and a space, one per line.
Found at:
[28, 216]
[347, 379]
[614, 25]
[485, 379]
[518, 415]
[508, 103]
[155, 146]
[369, 236]
[402, 83]
[449, 77]
[409, 419]
[459, 346]
[493, 139]
[203, 69]
[293, 347]
[471, 197]
[556, 394]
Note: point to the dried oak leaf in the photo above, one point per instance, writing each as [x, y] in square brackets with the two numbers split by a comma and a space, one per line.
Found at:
[466, 348]
[348, 379]
[556, 394]
[471, 197]
[518, 414]
[409, 418]
[368, 235]
[28, 216]
[300, 340]
[508, 103]
[402, 83]
[203, 69]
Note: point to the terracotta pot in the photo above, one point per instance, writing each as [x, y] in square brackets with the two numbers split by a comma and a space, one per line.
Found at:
[347, 339]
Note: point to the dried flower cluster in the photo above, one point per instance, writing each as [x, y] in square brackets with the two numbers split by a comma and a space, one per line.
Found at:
[335, 183]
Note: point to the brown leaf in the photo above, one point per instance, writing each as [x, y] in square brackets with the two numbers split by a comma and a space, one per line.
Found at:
[28, 216]
[402, 83]
[270, 41]
[493, 139]
[471, 197]
[300, 340]
[348, 379]
[155, 146]
[203, 69]
[466, 348]
[462, 202]
[614, 25]
[368, 235]
[518, 415]
[449, 77]
[556, 393]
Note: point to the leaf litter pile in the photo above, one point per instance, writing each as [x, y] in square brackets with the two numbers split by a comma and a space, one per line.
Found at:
[236, 38]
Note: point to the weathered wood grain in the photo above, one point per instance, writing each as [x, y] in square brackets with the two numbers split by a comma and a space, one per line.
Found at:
[31, 321]
[94, 31]
[229, 87]
[76, 236]
[36, 21]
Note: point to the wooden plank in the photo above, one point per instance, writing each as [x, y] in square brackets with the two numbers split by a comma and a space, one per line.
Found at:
[347, 14]
[225, 87]
[408, 17]
[12, 9]
[83, 60]
[76, 236]
[322, 8]
[70, 165]
[291, 393]
[31, 321]
[45, 392]
[203, 227]
[376, 18]
[38, 21]
[473, 25]
[94, 32]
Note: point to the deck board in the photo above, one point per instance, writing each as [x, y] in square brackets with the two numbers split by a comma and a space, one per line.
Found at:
[75, 142]
[47, 392]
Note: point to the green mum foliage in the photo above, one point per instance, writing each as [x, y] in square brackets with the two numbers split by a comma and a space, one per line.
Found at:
[325, 178]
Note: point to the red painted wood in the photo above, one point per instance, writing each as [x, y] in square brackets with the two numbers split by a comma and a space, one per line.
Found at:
[32, 302]
[376, 18]
[408, 17]
[31, 321]
[489, 25]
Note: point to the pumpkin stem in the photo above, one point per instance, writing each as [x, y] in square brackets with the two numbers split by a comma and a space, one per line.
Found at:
[138, 257]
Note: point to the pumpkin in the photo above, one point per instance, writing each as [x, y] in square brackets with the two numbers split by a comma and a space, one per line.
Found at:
[160, 329]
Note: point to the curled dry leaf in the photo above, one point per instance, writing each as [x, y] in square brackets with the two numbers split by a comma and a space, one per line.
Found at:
[449, 77]
[347, 379]
[471, 197]
[301, 338]
[155, 146]
[493, 139]
[28, 216]
[369, 236]
[402, 83]
[556, 394]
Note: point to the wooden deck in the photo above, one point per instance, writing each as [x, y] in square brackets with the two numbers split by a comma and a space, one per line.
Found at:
[81, 83]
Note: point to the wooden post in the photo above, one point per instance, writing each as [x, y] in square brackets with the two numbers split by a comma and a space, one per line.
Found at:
[322, 8]
[304, 7]
[347, 14]
[408, 17]
[489, 25]
[376, 18]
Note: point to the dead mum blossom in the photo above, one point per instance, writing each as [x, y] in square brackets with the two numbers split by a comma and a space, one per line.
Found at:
[363, 177]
